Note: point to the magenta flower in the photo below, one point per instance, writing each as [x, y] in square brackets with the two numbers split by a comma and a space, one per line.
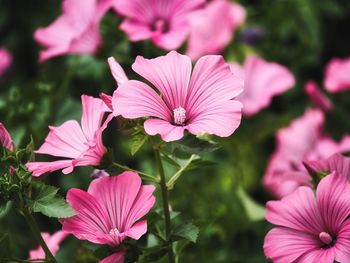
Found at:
[212, 27]
[82, 145]
[262, 81]
[5, 138]
[52, 241]
[76, 31]
[303, 140]
[337, 75]
[5, 60]
[201, 102]
[311, 230]
[165, 22]
[317, 97]
[109, 211]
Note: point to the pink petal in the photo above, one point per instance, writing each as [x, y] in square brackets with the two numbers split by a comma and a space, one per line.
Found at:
[167, 131]
[107, 100]
[221, 119]
[337, 77]
[212, 27]
[333, 198]
[263, 81]
[137, 230]
[173, 39]
[66, 140]
[212, 83]
[136, 30]
[40, 168]
[297, 211]
[93, 112]
[318, 255]
[5, 60]
[5, 138]
[284, 245]
[170, 74]
[317, 97]
[146, 102]
[91, 221]
[342, 245]
[117, 257]
[117, 71]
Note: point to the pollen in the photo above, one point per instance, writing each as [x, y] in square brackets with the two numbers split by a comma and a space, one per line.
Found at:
[179, 116]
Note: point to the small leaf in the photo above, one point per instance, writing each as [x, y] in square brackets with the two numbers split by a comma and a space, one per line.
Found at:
[255, 211]
[137, 142]
[48, 202]
[186, 231]
[180, 245]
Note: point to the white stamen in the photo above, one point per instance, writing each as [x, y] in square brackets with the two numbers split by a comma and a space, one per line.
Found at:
[114, 231]
[179, 116]
[325, 238]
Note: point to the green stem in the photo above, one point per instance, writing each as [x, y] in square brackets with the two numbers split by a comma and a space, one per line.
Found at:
[165, 199]
[145, 176]
[36, 231]
[170, 184]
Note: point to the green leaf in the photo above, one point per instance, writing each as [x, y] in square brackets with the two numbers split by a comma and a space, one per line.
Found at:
[137, 142]
[255, 211]
[4, 208]
[180, 245]
[186, 231]
[48, 202]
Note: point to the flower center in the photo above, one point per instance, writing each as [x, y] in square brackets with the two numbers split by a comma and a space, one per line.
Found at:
[160, 25]
[326, 238]
[179, 116]
[114, 231]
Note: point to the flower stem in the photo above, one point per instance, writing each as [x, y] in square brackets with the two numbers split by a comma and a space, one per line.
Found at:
[165, 199]
[144, 176]
[36, 231]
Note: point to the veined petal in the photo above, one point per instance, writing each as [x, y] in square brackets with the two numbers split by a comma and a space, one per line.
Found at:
[117, 71]
[333, 198]
[212, 83]
[298, 211]
[170, 74]
[317, 256]
[66, 140]
[135, 99]
[285, 245]
[40, 168]
[167, 131]
[221, 119]
[5, 138]
[137, 230]
[117, 257]
[342, 245]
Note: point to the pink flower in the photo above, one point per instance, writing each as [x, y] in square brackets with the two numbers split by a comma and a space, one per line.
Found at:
[201, 102]
[336, 162]
[108, 212]
[317, 97]
[76, 31]
[337, 75]
[52, 241]
[262, 81]
[311, 230]
[117, 257]
[212, 28]
[82, 145]
[165, 22]
[5, 60]
[5, 138]
[303, 140]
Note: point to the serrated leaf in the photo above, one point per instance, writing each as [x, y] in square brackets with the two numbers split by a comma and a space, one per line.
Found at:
[137, 142]
[255, 211]
[48, 202]
[186, 231]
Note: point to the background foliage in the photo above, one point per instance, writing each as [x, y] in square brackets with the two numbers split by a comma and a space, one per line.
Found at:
[226, 199]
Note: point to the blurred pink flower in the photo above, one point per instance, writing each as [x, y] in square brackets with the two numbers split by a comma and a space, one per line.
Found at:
[76, 31]
[337, 75]
[317, 97]
[212, 28]
[52, 241]
[81, 144]
[201, 102]
[311, 230]
[5, 138]
[117, 257]
[5, 60]
[303, 140]
[262, 81]
[165, 22]
[108, 212]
